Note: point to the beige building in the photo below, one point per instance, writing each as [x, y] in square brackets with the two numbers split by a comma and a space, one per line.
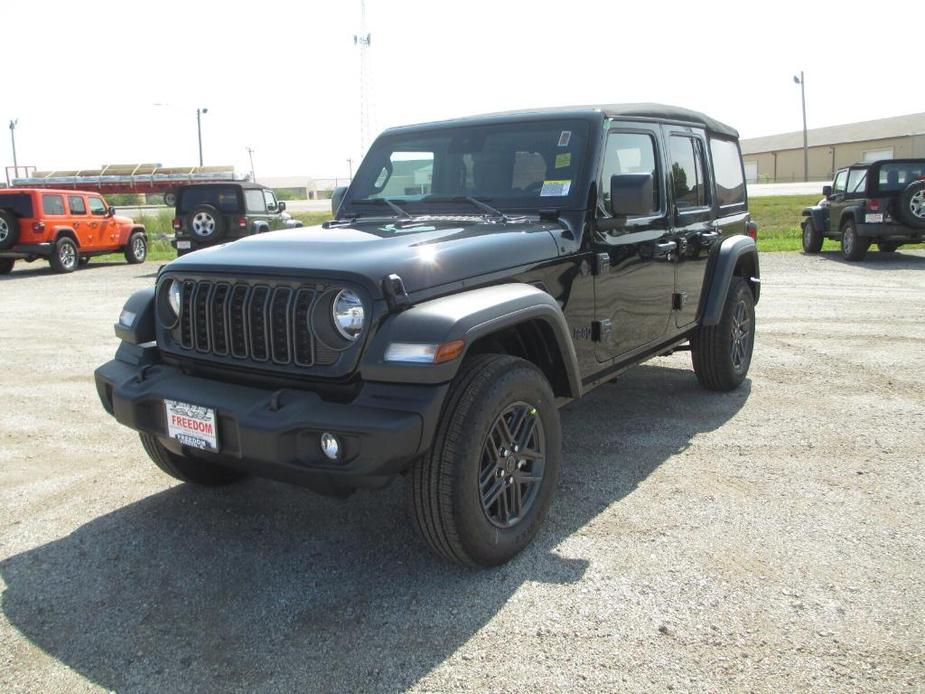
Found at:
[779, 158]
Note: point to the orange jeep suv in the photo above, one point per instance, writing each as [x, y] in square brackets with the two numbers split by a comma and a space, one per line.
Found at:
[67, 227]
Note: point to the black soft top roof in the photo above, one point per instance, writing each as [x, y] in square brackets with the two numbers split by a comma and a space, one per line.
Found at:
[653, 111]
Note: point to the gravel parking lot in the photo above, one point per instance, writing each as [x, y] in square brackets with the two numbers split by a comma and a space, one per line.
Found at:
[772, 539]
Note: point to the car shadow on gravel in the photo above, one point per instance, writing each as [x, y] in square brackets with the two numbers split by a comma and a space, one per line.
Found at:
[42, 269]
[875, 260]
[263, 586]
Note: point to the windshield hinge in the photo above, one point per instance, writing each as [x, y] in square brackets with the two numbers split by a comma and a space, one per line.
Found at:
[395, 294]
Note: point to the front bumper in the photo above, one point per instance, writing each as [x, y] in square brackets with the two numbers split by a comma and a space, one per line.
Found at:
[891, 232]
[382, 430]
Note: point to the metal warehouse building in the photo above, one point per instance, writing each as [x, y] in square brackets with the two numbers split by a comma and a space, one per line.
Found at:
[779, 158]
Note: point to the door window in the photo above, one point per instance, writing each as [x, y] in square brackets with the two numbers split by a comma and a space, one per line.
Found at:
[688, 181]
[255, 201]
[629, 153]
[76, 203]
[53, 204]
[97, 206]
[727, 170]
[841, 179]
[270, 200]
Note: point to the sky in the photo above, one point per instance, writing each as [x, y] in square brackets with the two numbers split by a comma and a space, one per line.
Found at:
[283, 77]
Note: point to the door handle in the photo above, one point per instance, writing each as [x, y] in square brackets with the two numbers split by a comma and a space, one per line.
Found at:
[664, 249]
[92, 224]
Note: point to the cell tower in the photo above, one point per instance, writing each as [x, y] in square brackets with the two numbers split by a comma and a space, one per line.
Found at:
[362, 40]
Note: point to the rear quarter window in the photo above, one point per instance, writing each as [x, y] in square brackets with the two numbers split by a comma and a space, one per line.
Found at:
[727, 172]
[53, 204]
[224, 199]
[19, 204]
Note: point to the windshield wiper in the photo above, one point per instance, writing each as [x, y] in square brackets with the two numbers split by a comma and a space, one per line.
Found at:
[494, 211]
[395, 208]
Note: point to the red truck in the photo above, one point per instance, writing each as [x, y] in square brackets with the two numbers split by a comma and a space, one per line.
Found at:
[67, 227]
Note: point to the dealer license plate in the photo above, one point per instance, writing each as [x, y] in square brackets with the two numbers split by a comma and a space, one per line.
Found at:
[192, 425]
[874, 218]
[183, 245]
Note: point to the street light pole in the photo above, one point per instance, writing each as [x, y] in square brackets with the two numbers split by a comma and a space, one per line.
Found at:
[801, 80]
[13, 124]
[199, 112]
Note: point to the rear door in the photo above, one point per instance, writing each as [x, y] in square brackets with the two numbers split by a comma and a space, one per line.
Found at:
[693, 216]
[634, 273]
[730, 216]
[80, 220]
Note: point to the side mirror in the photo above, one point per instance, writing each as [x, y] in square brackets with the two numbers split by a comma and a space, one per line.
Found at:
[280, 206]
[337, 197]
[111, 212]
[631, 194]
[827, 191]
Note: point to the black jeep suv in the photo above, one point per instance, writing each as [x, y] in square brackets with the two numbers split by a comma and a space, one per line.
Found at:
[478, 275]
[211, 213]
[882, 201]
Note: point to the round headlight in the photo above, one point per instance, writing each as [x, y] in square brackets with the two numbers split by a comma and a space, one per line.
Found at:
[174, 292]
[347, 310]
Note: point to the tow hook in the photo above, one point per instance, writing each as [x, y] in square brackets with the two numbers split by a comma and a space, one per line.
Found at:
[275, 399]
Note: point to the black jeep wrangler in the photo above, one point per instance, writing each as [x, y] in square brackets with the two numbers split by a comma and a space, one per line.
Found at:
[478, 275]
[211, 213]
[882, 201]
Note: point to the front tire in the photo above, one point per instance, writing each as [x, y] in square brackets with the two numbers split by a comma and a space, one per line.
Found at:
[64, 258]
[812, 239]
[136, 250]
[722, 353]
[480, 495]
[853, 247]
[186, 469]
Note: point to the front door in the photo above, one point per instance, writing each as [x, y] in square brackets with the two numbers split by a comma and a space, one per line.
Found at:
[99, 224]
[694, 231]
[634, 270]
[837, 199]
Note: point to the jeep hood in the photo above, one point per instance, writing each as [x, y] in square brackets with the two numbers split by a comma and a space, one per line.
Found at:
[424, 254]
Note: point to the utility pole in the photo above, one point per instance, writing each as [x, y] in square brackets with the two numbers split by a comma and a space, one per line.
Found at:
[13, 124]
[363, 40]
[250, 154]
[801, 80]
[350, 167]
[199, 112]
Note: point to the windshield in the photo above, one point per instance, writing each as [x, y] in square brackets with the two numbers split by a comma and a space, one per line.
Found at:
[512, 166]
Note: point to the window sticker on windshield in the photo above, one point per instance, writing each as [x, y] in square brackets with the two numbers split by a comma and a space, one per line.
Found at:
[564, 138]
[563, 160]
[555, 188]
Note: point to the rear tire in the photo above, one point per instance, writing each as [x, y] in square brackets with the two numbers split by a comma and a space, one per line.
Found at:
[481, 493]
[9, 230]
[722, 353]
[887, 247]
[136, 250]
[6, 265]
[853, 247]
[812, 239]
[64, 258]
[186, 469]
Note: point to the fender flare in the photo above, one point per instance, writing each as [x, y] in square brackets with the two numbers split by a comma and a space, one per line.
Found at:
[720, 271]
[261, 227]
[818, 216]
[70, 233]
[851, 212]
[467, 316]
[141, 305]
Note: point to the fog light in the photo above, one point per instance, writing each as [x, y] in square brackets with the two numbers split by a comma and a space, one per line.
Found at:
[330, 446]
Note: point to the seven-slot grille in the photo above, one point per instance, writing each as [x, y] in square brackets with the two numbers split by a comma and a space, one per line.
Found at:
[258, 322]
